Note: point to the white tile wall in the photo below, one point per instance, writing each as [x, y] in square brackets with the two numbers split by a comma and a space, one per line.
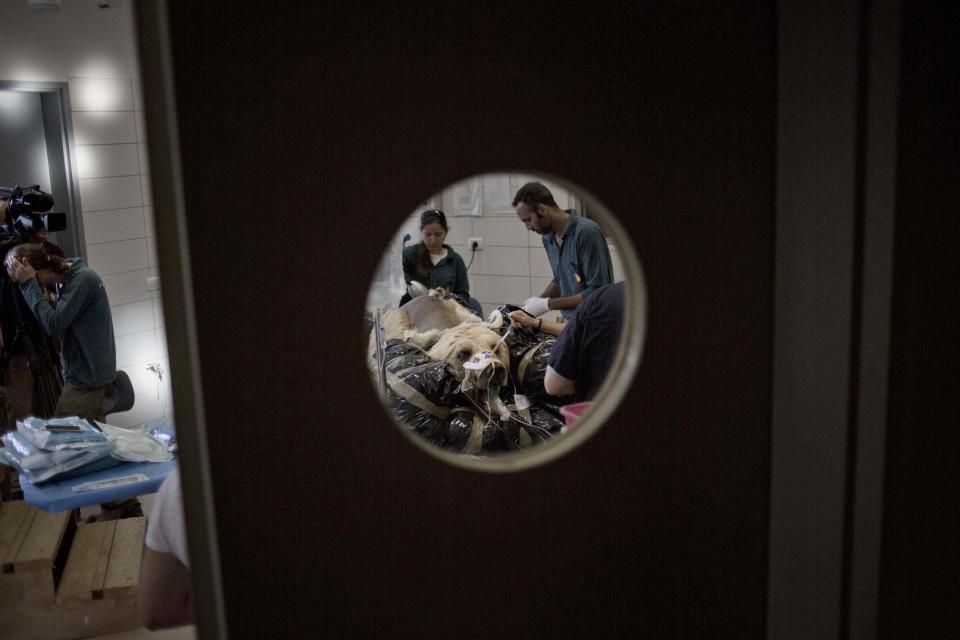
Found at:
[539, 263]
[502, 261]
[143, 158]
[517, 180]
[97, 194]
[101, 94]
[497, 231]
[109, 137]
[460, 230]
[165, 368]
[117, 257]
[140, 124]
[133, 317]
[155, 293]
[136, 348]
[161, 337]
[145, 189]
[148, 220]
[539, 285]
[143, 381]
[137, 94]
[104, 127]
[147, 406]
[152, 252]
[158, 312]
[107, 160]
[500, 288]
[559, 194]
[167, 391]
[129, 286]
[118, 224]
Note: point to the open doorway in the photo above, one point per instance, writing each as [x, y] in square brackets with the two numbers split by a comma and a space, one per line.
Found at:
[35, 131]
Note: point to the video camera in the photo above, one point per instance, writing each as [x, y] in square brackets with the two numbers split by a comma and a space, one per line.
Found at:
[26, 214]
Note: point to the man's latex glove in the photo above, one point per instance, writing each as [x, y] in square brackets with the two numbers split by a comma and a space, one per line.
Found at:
[536, 306]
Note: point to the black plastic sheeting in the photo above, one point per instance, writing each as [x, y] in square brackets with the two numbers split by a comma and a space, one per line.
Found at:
[530, 352]
[425, 397]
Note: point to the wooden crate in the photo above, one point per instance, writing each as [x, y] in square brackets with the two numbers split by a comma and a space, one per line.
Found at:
[63, 581]
[104, 561]
[29, 538]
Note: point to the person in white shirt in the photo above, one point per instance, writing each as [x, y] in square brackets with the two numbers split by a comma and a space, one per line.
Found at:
[166, 595]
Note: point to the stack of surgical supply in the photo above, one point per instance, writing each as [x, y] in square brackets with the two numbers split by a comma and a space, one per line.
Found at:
[45, 450]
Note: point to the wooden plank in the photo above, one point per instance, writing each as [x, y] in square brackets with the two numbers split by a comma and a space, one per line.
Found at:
[76, 585]
[39, 548]
[12, 515]
[24, 590]
[26, 613]
[103, 560]
[123, 572]
[14, 550]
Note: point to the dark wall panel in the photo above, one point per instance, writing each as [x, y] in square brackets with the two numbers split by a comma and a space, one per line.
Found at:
[307, 135]
[920, 570]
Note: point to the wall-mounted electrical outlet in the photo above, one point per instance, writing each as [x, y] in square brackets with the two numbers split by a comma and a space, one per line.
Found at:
[153, 283]
[475, 243]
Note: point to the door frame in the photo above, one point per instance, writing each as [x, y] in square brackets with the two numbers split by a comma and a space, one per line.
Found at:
[833, 274]
[58, 131]
[180, 320]
[836, 164]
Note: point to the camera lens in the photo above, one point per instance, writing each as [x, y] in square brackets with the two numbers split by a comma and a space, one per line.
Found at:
[34, 201]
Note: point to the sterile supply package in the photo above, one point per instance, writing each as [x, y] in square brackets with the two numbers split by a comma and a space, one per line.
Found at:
[45, 450]
[165, 433]
[30, 457]
[58, 433]
[133, 445]
[41, 466]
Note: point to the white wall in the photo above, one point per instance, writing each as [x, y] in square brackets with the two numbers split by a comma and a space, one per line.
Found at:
[94, 51]
[77, 40]
[513, 264]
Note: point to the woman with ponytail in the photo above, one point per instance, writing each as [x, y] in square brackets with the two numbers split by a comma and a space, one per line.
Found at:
[434, 264]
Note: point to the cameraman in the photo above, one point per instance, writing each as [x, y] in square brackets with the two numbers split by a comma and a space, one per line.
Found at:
[82, 317]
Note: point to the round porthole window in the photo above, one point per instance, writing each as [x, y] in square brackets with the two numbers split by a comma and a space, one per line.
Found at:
[505, 321]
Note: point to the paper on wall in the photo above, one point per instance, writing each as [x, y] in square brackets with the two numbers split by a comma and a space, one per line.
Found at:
[466, 198]
[496, 192]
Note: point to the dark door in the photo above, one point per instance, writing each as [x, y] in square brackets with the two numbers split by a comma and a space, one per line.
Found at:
[307, 134]
[919, 594]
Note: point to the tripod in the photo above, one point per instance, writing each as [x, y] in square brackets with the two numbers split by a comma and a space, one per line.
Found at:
[27, 351]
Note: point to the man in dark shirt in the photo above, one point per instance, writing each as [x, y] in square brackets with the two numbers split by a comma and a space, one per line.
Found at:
[584, 352]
